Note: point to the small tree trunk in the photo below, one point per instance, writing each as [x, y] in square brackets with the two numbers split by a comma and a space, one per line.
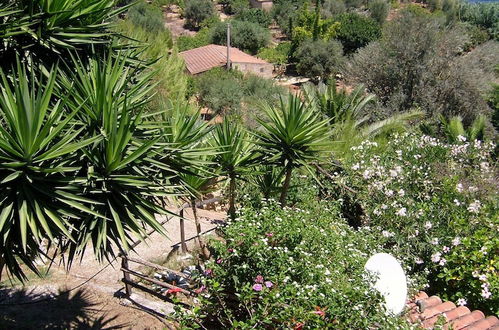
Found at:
[285, 187]
[203, 248]
[2, 265]
[183, 245]
[232, 197]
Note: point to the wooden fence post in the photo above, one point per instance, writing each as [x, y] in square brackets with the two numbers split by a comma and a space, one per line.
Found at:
[126, 276]
[182, 232]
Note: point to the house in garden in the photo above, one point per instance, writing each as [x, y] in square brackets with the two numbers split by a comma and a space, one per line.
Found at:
[262, 4]
[201, 59]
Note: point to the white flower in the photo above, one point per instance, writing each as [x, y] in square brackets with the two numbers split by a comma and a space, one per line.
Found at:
[434, 241]
[459, 187]
[366, 174]
[486, 293]
[457, 202]
[387, 233]
[456, 241]
[402, 212]
[393, 173]
[418, 261]
[442, 262]
[461, 302]
[446, 249]
[401, 192]
[475, 207]
[384, 206]
[482, 277]
[436, 257]
[484, 250]
[461, 138]
[389, 193]
[428, 225]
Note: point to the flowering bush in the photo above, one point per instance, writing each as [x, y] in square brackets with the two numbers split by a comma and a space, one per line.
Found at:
[290, 268]
[436, 206]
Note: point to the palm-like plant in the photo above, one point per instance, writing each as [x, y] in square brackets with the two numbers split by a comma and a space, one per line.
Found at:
[234, 155]
[38, 168]
[48, 29]
[338, 104]
[293, 136]
[454, 128]
[347, 114]
[118, 173]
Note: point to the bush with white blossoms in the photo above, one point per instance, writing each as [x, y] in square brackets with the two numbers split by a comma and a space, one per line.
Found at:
[440, 201]
[290, 269]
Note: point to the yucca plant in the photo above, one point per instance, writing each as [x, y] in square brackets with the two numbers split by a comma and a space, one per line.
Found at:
[118, 173]
[38, 167]
[47, 29]
[338, 104]
[293, 135]
[235, 155]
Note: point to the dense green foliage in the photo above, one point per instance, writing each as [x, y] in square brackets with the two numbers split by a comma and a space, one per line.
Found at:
[319, 59]
[356, 31]
[245, 35]
[409, 72]
[436, 204]
[378, 10]
[147, 16]
[287, 268]
[232, 7]
[230, 92]
[196, 11]
[255, 15]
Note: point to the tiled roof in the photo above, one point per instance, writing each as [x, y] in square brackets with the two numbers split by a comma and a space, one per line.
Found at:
[427, 310]
[204, 58]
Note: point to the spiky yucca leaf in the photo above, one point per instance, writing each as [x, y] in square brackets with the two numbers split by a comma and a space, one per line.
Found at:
[38, 170]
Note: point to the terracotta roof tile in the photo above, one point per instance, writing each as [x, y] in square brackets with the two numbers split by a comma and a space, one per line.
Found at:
[428, 310]
[204, 58]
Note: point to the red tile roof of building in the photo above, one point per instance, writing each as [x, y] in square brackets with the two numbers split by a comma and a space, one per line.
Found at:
[427, 310]
[204, 58]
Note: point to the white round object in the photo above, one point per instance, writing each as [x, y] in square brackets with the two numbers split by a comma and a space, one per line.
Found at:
[391, 281]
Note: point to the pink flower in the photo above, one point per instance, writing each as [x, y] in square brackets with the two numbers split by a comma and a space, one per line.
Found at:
[230, 250]
[219, 261]
[208, 272]
[269, 234]
[257, 287]
[201, 289]
[259, 279]
[269, 284]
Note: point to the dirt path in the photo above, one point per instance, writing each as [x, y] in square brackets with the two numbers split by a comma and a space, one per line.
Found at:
[97, 302]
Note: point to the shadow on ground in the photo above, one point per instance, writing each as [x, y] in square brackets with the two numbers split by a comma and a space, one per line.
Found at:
[23, 309]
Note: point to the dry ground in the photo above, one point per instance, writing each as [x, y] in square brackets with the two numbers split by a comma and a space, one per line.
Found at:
[97, 302]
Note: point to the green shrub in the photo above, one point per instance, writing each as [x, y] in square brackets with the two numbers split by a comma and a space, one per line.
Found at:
[319, 58]
[287, 268]
[356, 31]
[333, 8]
[246, 36]
[277, 55]
[232, 7]
[196, 11]
[485, 15]
[378, 10]
[436, 205]
[147, 17]
[255, 15]
[202, 38]
[220, 90]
